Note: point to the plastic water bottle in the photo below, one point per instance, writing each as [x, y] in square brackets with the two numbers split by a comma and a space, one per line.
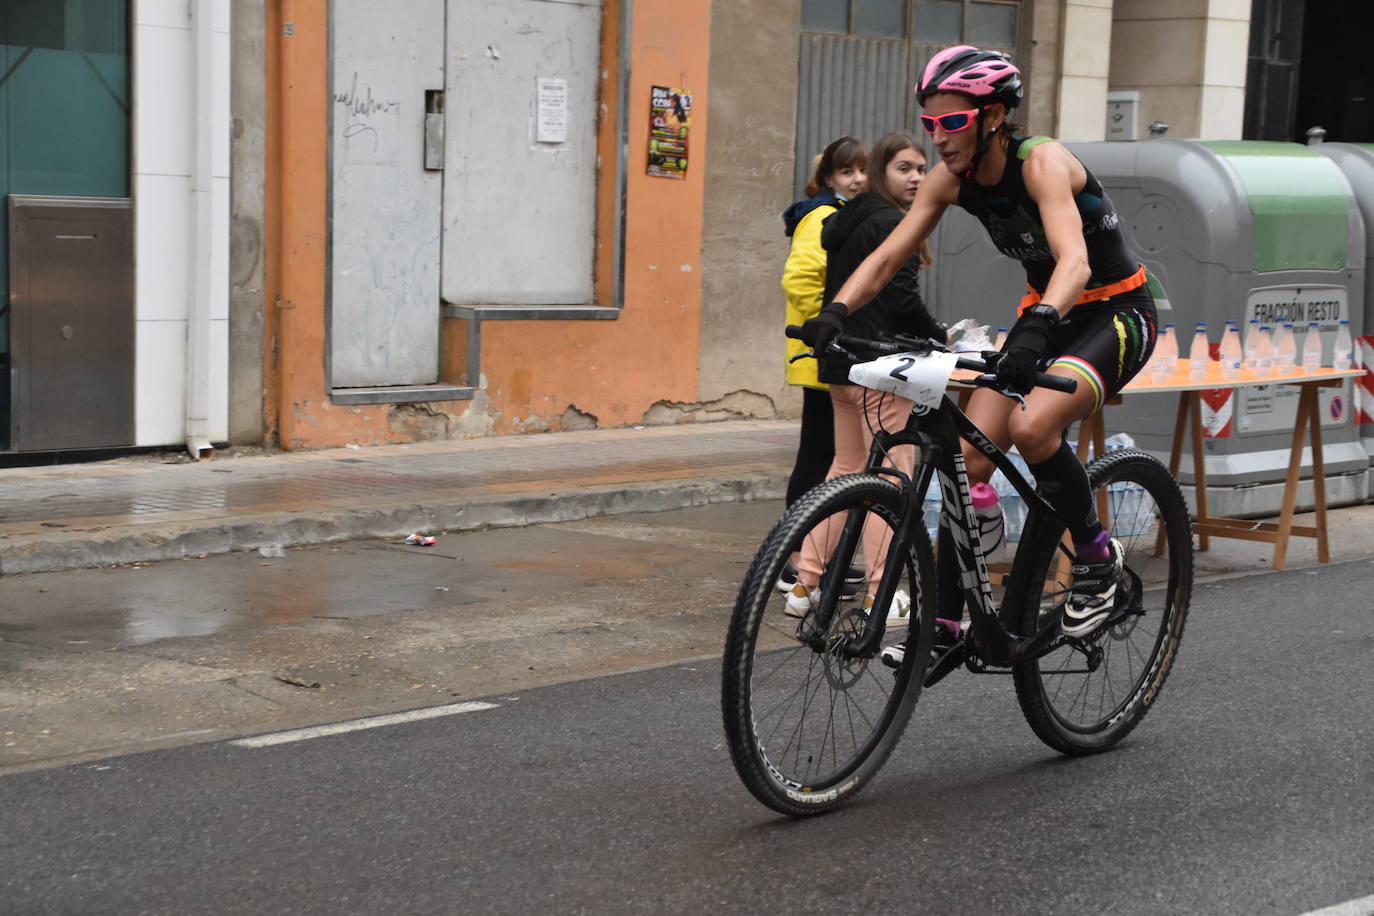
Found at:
[1312, 348]
[1252, 346]
[1343, 357]
[988, 508]
[1231, 356]
[1265, 349]
[1285, 349]
[1001, 339]
[1013, 506]
[931, 511]
[1166, 355]
[1198, 356]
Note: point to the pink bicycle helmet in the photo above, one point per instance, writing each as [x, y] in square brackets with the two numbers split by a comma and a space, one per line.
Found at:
[985, 76]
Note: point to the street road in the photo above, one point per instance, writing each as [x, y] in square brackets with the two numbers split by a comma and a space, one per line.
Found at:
[1246, 790]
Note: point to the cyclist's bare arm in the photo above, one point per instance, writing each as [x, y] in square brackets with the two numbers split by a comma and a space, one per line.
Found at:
[937, 191]
[1052, 178]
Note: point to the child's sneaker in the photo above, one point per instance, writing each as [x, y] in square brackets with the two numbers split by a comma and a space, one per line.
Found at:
[853, 578]
[898, 612]
[800, 600]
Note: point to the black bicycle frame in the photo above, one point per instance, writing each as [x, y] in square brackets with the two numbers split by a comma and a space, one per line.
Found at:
[937, 433]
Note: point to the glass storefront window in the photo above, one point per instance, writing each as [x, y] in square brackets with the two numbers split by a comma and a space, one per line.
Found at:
[64, 105]
[65, 97]
[98, 26]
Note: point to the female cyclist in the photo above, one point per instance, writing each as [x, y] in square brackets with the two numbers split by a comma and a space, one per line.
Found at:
[1088, 314]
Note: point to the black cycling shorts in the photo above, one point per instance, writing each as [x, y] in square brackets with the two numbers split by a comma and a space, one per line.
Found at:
[1106, 345]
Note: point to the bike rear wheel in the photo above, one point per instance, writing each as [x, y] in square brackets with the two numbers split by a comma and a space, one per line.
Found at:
[808, 723]
[1087, 694]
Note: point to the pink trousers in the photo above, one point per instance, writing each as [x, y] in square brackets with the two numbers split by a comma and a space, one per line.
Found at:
[856, 410]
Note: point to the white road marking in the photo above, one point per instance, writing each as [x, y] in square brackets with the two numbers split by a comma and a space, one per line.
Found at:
[1362, 907]
[339, 728]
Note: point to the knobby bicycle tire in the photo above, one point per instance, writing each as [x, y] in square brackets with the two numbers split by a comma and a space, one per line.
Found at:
[767, 767]
[1148, 513]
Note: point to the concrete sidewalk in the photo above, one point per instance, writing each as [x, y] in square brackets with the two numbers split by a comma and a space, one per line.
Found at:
[140, 509]
[127, 510]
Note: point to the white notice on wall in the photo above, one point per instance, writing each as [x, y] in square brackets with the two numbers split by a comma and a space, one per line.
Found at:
[552, 118]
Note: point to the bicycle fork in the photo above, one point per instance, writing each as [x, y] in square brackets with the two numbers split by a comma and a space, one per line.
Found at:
[868, 641]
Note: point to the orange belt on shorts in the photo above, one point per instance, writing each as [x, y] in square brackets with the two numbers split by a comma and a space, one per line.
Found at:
[1096, 294]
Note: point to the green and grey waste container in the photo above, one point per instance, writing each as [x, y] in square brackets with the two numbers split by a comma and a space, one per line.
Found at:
[1356, 161]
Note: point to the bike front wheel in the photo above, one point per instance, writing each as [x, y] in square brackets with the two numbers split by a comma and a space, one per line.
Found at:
[1087, 694]
[809, 718]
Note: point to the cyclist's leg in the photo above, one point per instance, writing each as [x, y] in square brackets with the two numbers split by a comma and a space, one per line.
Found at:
[1102, 350]
[1038, 433]
[991, 412]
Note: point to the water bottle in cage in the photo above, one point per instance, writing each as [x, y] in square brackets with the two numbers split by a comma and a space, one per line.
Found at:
[988, 508]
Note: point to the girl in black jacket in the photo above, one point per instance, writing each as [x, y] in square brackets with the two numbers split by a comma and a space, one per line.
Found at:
[896, 167]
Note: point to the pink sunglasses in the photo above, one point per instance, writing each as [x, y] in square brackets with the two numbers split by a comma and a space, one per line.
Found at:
[951, 123]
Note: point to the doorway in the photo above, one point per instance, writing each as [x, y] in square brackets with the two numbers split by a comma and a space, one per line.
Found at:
[1308, 68]
[64, 118]
[1336, 78]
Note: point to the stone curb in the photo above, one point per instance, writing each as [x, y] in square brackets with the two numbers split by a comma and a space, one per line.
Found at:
[174, 540]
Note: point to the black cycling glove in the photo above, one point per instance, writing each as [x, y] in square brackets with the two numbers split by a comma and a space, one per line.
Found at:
[1026, 344]
[819, 331]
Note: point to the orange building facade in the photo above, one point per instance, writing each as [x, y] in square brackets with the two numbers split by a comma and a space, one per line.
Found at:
[629, 355]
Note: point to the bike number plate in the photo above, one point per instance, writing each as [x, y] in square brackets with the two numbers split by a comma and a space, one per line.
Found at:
[920, 378]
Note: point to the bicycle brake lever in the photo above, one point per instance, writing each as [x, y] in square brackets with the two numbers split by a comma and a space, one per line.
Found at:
[988, 380]
[921, 345]
[841, 351]
[807, 355]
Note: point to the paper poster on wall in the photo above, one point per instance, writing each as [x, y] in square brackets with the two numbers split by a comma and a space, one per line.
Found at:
[552, 121]
[670, 117]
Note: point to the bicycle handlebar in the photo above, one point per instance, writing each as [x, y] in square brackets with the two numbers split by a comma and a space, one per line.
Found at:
[901, 344]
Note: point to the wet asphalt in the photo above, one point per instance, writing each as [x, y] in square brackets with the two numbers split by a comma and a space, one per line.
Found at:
[1248, 789]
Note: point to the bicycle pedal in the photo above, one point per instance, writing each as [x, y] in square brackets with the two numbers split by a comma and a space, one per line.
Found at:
[942, 666]
[1127, 602]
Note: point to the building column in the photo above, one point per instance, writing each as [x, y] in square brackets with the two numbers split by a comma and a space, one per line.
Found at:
[248, 109]
[1187, 59]
[1084, 59]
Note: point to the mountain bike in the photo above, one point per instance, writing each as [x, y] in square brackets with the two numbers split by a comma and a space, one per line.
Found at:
[812, 712]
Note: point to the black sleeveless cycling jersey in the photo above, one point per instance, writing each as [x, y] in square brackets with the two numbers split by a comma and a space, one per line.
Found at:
[1012, 220]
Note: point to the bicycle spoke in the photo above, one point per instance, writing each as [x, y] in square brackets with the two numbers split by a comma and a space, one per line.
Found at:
[800, 710]
[801, 723]
[1082, 708]
[801, 687]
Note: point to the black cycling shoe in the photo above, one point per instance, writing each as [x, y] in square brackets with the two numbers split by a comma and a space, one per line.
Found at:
[1093, 594]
